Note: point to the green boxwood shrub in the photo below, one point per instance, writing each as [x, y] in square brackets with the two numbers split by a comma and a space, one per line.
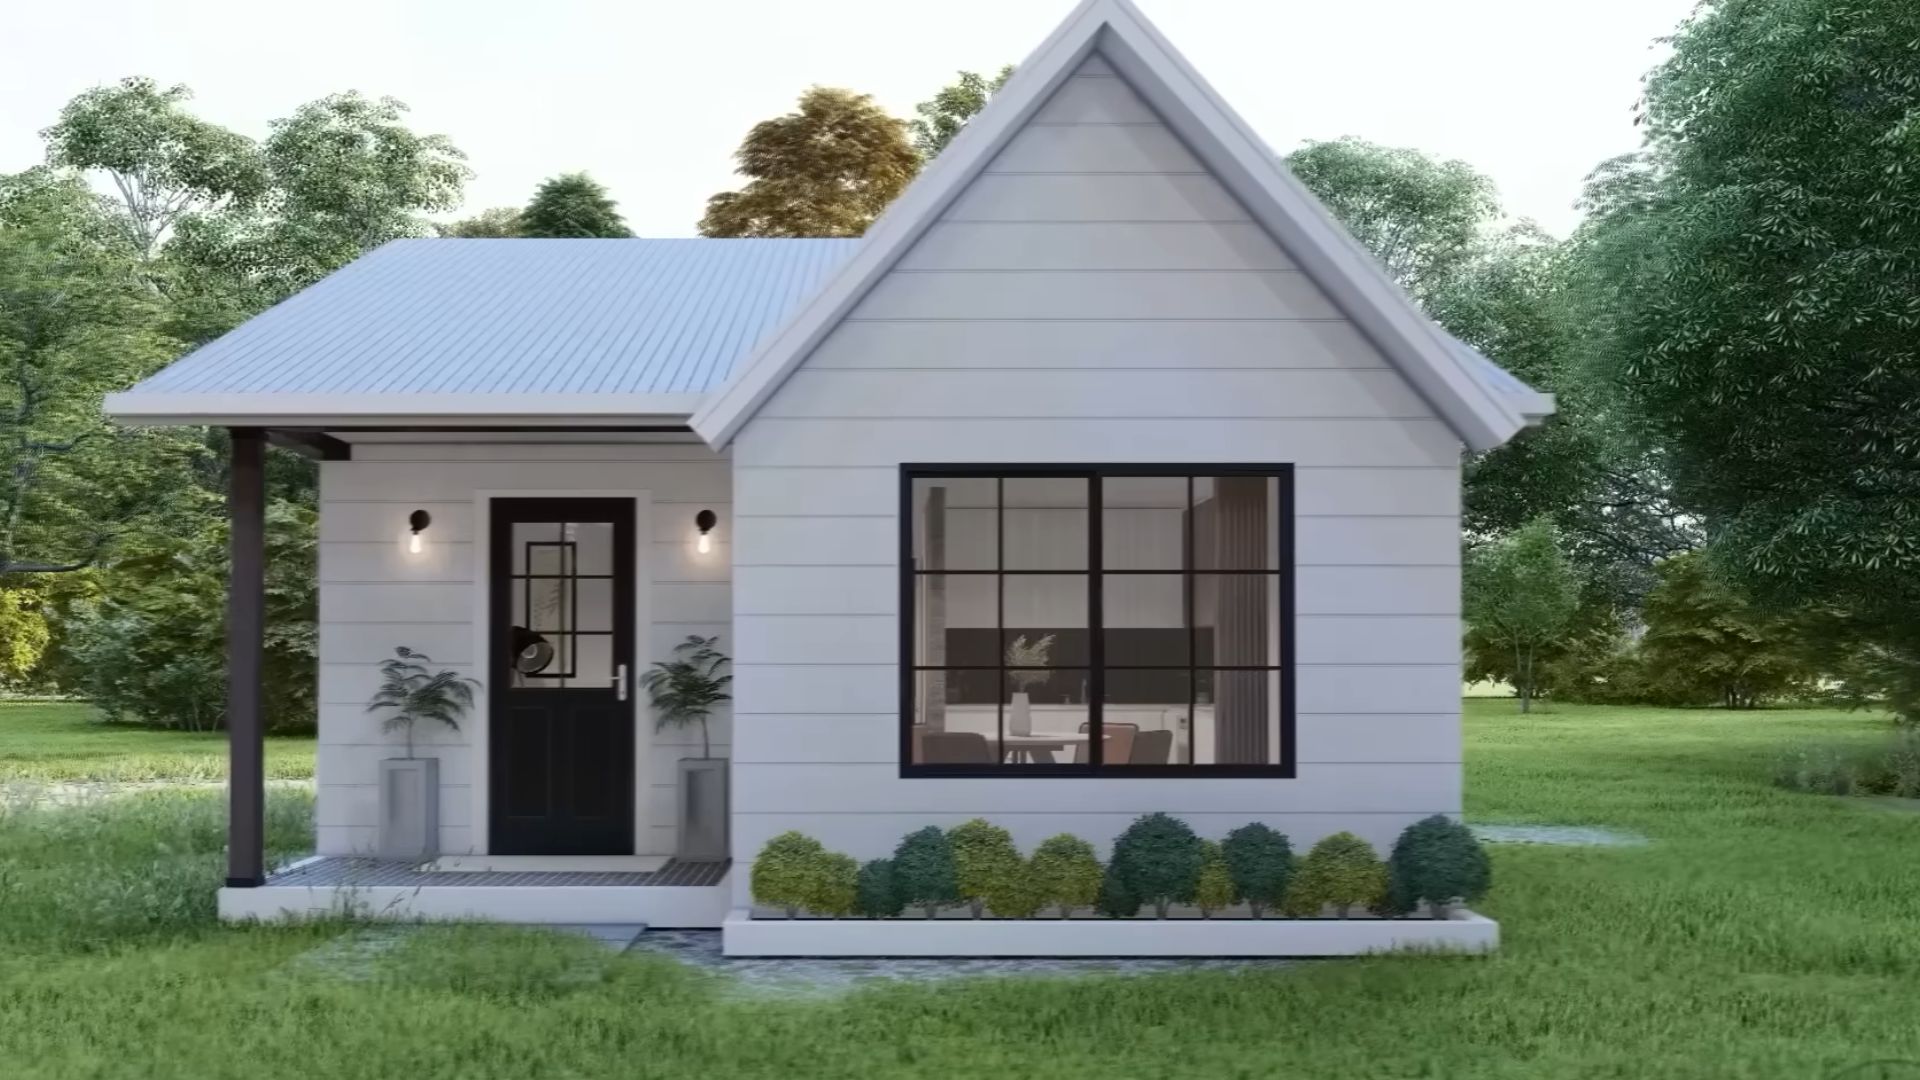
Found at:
[1341, 871]
[1114, 899]
[986, 865]
[1261, 862]
[1214, 889]
[1157, 860]
[874, 893]
[1437, 860]
[923, 871]
[834, 885]
[1065, 873]
[786, 872]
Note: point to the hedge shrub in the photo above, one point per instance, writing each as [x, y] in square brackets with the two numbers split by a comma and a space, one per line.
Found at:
[1157, 861]
[1341, 871]
[1437, 860]
[986, 865]
[1261, 862]
[1066, 873]
[1214, 889]
[923, 871]
[874, 893]
[787, 873]
[1114, 899]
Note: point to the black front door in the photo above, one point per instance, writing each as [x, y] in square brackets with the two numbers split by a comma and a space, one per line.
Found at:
[561, 715]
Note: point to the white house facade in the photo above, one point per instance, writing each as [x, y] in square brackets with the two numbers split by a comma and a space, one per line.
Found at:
[1104, 476]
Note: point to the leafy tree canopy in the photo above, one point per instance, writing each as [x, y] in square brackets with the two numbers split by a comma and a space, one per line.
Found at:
[941, 117]
[1521, 594]
[827, 169]
[494, 223]
[1763, 285]
[572, 205]
[164, 161]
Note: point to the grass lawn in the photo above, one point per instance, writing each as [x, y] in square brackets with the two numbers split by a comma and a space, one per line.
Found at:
[63, 742]
[1762, 933]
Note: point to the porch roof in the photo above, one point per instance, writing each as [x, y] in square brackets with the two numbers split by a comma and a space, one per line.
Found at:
[442, 329]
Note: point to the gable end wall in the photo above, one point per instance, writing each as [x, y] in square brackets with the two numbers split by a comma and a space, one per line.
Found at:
[1094, 296]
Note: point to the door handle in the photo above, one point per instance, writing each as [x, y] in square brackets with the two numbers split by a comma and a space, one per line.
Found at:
[620, 681]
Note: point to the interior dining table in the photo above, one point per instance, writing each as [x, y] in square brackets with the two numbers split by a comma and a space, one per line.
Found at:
[1037, 748]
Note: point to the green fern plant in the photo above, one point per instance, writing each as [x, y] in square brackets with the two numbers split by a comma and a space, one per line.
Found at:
[410, 692]
[686, 689]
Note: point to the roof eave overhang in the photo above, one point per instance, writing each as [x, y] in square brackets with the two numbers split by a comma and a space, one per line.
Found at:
[349, 411]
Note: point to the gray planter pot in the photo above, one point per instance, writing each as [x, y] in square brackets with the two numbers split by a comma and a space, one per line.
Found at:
[409, 809]
[704, 808]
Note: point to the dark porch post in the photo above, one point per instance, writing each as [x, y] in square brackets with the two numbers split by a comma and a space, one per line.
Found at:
[246, 629]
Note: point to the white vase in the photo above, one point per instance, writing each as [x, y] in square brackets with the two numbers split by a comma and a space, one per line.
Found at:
[1020, 714]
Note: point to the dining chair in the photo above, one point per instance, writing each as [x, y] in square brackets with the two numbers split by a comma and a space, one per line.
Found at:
[1152, 748]
[955, 748]
[1115, 749]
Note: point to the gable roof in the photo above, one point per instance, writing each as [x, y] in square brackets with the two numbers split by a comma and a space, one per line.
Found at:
[445, 328]
[1448, 378]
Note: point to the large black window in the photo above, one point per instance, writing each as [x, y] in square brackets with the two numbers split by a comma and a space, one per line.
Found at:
[1124, 620]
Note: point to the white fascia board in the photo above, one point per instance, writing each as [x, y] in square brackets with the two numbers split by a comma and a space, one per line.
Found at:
[1333, 259]
[424, 410]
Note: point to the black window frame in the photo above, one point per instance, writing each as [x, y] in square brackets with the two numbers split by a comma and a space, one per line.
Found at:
[1095, 572]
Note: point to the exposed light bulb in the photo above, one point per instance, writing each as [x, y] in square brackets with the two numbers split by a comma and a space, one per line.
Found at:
[704, 545]
[413, 544]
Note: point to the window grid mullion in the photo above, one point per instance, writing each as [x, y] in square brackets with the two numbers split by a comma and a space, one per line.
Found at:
[1188, 558]
[1096, 625]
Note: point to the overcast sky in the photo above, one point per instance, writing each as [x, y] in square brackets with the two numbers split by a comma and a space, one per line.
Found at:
[651, 96]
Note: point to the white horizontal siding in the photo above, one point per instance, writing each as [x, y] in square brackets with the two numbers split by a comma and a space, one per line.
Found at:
[1120, 197]
[1386, 591]
[769, 441]
[1182, 245]
[874, 738]
[824, 590]
[1091, 294]
[1188, 345]
[1091, 99]
[1365, 787]
[1133, 393]
[1083, 148]
[375, 596]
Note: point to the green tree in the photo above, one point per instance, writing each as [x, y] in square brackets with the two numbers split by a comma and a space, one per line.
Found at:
[1421, 217]
[572, 205]
[494, 223]
[152, 649]
[1705, 643]
[828, 169]
[1213, 890]
[77, 320]
[1439, 861]
[1521, 594]
[923, 871]
[346, 175]
[164, 162]
[1763, 279]
[942, 116]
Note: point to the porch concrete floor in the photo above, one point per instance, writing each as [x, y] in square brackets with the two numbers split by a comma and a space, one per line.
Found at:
[333, 870]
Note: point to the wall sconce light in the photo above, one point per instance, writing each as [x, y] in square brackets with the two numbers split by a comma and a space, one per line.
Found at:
[705, 520]
[417, 522]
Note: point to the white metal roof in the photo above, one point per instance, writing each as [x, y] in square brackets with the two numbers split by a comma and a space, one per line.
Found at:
[1482, 415]
[447, 328]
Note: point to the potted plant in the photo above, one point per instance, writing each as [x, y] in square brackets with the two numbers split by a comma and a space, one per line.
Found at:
[685, 691]
[1024, 655]
[410, 692]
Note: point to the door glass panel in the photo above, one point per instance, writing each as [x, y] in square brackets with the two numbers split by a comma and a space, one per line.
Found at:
[561, 603]
[1143, 522]
[1044, 523]
[1234, 522]
[956, 523]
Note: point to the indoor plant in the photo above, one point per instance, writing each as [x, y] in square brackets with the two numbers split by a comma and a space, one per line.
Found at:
[410, 692]
[685, 691]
